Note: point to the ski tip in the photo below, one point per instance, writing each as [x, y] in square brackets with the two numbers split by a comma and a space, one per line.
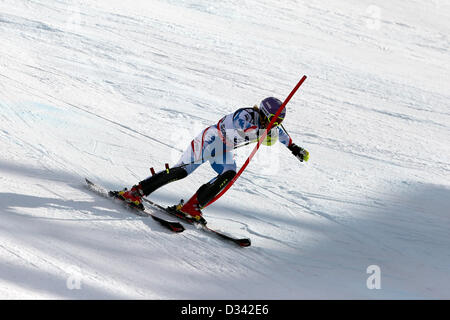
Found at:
[177, 228]
[244, 242]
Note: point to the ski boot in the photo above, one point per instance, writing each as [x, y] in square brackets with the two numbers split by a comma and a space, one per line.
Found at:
[133, 197]
[191, 210]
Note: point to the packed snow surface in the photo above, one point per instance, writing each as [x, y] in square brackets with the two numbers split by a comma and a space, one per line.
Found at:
[107, 89]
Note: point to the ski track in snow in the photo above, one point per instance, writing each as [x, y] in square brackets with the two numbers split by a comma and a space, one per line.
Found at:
[108, 89]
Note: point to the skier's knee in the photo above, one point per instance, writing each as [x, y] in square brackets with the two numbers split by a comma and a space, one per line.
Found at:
[229, 174]
[224, 178]
[209, 190]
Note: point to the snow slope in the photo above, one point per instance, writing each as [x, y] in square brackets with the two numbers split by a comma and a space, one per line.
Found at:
[107, 89]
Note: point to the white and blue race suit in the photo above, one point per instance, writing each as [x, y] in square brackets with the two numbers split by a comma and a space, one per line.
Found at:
[215, 143]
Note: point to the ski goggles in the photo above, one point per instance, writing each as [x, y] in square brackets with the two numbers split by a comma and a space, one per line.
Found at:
[268, 118]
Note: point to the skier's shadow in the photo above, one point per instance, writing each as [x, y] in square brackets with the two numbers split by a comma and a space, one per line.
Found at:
[103, 209]
[14, 203]
[20, 220]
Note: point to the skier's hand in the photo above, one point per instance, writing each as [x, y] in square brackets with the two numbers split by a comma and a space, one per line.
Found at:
[299, 152]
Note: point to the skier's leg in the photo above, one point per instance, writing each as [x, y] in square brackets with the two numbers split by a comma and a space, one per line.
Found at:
[185, 166]
[226, 171]
[149, 185]
[162, 178]
[209, 190]
[226, 168]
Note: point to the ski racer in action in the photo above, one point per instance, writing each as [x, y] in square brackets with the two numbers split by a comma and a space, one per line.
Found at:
[215, 144]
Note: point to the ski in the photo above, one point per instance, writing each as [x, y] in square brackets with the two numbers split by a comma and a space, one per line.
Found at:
[243, 242]
[173, 226]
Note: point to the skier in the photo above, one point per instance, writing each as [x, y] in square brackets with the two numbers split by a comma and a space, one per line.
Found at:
[215, 144]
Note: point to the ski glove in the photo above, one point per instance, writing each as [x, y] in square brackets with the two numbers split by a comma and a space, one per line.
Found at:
[299, 152]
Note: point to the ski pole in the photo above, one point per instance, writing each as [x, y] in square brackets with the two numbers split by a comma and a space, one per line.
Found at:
[284, 129]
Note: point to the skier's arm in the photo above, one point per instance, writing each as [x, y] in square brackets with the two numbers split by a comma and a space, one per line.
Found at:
[299, 152]
[284, 137]
[244, 126]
